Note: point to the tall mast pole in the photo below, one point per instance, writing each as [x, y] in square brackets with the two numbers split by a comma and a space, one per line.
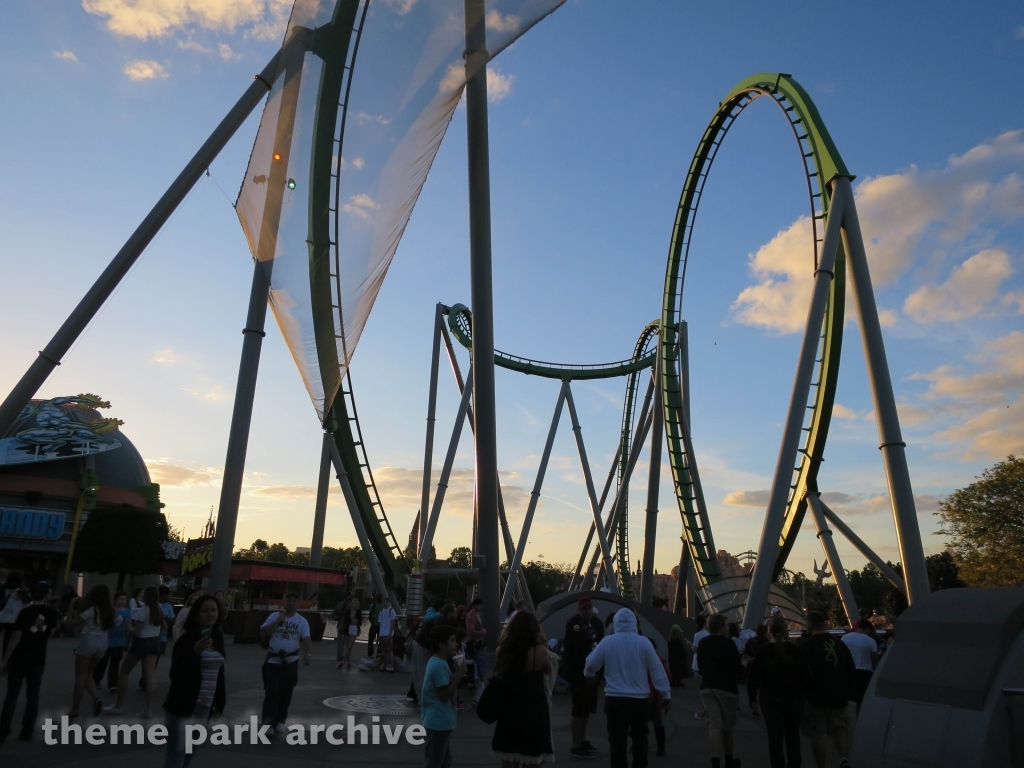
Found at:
[486, 555]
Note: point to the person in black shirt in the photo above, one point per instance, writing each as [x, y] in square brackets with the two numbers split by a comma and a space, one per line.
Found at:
[720, 667]
[829, 683]
[25, 659]
[777, 674]
[582, 634]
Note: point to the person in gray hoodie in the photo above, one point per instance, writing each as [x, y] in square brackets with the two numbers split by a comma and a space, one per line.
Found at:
[628, 659]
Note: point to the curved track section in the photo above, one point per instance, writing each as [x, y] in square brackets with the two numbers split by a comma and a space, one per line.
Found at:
[821, 163]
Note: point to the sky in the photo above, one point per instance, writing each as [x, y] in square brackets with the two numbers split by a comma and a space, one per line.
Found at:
[594, 116]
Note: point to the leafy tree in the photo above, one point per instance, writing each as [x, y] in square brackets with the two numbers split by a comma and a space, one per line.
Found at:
[546, 579]
[343, 559]
[943, 571]
[461, 557]
[985, 523]
[258, 551]
[121, 541]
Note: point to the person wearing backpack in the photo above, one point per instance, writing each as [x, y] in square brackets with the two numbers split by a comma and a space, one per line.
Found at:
[421, 646]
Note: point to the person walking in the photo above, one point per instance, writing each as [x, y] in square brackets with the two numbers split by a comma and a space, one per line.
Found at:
[437, 697]
[147, 624]
[522, 733]
[677, 662]
[287, 635]
[197, 693]
[387, 623]
[350, 620]
[374, 632]
[117, 640]
[777, 676]
[755, 643]
[657, 702]
[864, 651]
[25, 659]
[830, 680]
[13, 601]
[94, 613]
[700, 620]
[628, 659]
[582, 634]
[720, 668]
[165, 605]
[421, 652]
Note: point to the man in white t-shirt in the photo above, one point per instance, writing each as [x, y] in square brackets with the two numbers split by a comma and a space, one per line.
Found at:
[864, 650]
[387, 619]
[287, 636]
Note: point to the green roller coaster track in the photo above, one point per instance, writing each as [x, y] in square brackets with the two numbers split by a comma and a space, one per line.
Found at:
[821, 162]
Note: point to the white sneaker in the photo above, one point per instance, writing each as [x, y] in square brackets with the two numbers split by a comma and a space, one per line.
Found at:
[280, 728]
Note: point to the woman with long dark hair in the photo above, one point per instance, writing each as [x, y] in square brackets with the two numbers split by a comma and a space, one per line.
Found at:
[197, 676]
[522, 734]
[94, 613]
[148, 622]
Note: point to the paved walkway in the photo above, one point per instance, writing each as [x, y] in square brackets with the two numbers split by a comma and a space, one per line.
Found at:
[687, 742]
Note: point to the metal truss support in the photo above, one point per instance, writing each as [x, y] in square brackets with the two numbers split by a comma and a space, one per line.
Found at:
[577, 581]
[517, 560]
[761, 579]
[832, 557]
[595, 507]
[858, 543]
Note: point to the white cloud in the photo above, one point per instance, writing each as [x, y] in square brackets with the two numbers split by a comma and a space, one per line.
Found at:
[358, 163]
[842, 412]
[495, 21]
[401, 7]
[1018, 33]
[748, 498]
[166, 357]
[988, 404]
[285, 491]
[65, 55]
[192, 45]
[453, 80]
[900, 214]
[498, 85]
[167, 473]
[361, 205]
[971, 289]
[143, 19]
[364, 117]
[226, 53]
[144, 69]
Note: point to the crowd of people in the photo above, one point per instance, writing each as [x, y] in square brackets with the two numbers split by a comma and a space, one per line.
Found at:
[801, 689]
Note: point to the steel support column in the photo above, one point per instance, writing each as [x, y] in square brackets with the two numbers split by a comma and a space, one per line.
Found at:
[576, 582]
[357, 522]
[761, 580]
[653, 490]
[679, 598]
[241, 421]
[316, 547]
[486, 443]
[435, 359]
[908, 531]
[832, 557]
[524, 535]
[442, 482]
[588, 478]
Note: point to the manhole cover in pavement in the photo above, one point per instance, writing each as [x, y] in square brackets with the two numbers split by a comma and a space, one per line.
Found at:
[390, 704]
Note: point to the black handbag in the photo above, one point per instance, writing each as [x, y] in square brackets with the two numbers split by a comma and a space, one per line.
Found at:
[491, 701]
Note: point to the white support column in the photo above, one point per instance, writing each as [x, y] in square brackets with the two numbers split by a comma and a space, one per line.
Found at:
[908, 531]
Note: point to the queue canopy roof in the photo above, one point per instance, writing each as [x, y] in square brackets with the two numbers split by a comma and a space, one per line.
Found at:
[362, 98]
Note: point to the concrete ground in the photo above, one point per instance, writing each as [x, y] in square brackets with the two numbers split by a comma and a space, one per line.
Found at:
[686, 736]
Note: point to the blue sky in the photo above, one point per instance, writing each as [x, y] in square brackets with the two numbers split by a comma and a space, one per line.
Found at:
[105, 101]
